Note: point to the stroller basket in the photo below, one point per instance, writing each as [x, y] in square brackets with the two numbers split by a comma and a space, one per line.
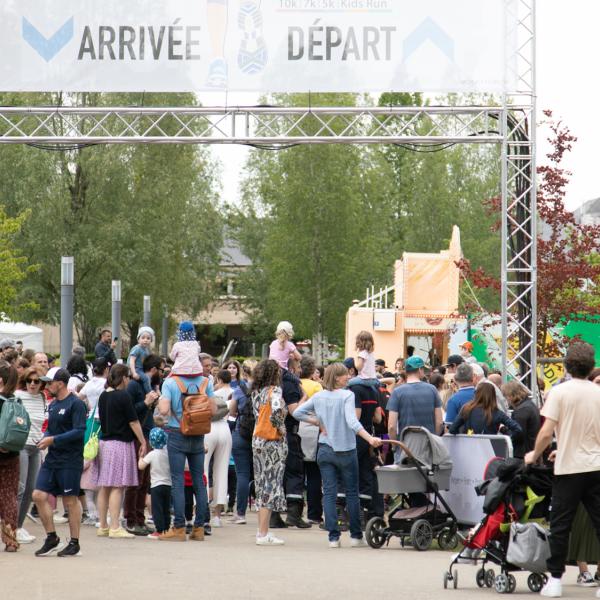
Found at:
[395, 479]
[419, 447]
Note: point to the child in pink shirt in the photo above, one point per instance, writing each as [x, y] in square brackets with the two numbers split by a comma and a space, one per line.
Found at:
[282, 348]
[185, 352]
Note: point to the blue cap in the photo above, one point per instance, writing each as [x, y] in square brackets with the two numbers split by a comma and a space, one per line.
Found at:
[349, 363]
[413, 363]
[158, 438]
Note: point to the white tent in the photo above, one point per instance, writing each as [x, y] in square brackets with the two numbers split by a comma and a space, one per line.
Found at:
[32, 337]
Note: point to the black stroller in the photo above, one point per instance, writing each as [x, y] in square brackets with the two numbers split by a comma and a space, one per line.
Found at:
[424, 468]
[513, 494]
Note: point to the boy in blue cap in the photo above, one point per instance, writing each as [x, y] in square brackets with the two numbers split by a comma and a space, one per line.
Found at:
[160, 481]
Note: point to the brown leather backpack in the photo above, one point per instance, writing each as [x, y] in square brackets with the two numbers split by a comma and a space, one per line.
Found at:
[196, 409]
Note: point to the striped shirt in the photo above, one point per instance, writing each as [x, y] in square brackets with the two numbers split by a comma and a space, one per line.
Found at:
[35, 405]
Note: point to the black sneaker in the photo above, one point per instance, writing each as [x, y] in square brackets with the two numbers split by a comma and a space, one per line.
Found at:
[71, 549]
[207, 529]
[50, 547]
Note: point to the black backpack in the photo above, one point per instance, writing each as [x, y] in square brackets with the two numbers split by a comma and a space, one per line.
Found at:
[246, 415]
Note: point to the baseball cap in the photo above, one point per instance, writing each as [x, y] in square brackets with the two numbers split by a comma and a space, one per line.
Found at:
[467, 346]
[56, 374]
[349, 363]
[380, 362]
[455, 360]
[414, 363]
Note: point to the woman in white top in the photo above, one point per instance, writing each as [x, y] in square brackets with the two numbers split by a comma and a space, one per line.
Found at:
[91, 391]
[29, 392]
[77, 368]
[218, 447]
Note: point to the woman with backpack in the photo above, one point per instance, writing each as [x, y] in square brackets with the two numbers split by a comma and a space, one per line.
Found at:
[9, 468]
[30, 394]
[269, 447]
[241, 407]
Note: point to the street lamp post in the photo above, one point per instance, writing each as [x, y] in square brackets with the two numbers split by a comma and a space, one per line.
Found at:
[116, 315]
[146, 316]
[67, 284]
[165, 332]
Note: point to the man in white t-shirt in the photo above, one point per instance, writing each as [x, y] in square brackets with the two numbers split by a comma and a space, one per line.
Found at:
[572, 409]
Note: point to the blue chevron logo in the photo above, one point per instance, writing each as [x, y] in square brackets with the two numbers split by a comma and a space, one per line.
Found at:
[48, 48]
[428, 30]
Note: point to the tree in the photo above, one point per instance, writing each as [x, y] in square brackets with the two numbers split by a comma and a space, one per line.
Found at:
[312, 231]
[14, 267]
[568, 267]
[147, 215]
[435, 188]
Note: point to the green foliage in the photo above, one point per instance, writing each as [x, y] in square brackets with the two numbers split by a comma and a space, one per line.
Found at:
[14, 267]
[321, 223]
[316, 248]
[147, 215]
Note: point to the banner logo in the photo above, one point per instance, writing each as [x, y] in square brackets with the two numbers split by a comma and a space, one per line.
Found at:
[48, 48]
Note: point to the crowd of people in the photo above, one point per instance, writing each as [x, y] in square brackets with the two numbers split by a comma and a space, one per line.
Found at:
[295, 437]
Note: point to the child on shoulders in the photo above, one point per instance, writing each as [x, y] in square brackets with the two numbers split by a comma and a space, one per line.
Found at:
[138, 353]
[365, 361]
[186, 351]
[282, 348]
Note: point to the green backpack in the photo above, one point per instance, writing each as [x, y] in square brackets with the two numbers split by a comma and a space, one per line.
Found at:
[14, 425]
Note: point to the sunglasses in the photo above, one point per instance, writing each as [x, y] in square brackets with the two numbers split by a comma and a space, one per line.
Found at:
[32, 381]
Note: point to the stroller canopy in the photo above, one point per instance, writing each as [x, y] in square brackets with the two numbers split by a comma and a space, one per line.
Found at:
[426, 447]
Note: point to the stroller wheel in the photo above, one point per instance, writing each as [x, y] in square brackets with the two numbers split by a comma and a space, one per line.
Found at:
[535, 582]
[490, 578]
[447, 540]
[501, 584]
[375, 532]
[480, 578]
[421, 534]
[455, 579]
[447, 577]
[512, 583]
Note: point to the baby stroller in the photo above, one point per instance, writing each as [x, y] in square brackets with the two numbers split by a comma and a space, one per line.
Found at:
[424, 468]
[517, 501]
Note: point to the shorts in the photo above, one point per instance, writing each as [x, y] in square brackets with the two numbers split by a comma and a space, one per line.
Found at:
[59, 482]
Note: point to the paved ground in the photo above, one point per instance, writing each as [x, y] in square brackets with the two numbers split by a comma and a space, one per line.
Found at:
[229, 566]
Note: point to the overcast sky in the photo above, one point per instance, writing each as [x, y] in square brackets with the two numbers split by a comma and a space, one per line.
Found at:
[568, 51]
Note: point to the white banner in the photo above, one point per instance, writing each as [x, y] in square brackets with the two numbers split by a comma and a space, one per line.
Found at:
[470, 456]
[258, 45]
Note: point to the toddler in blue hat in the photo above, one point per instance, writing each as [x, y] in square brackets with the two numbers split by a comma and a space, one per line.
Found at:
[185, 352]
[160, 481]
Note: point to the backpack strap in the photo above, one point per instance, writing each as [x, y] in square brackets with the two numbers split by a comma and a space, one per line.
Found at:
[182, 387]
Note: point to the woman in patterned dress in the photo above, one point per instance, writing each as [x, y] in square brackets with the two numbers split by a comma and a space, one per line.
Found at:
[269, 447]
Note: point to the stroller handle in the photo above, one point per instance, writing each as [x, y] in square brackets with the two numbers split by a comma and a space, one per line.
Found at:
[402, 446]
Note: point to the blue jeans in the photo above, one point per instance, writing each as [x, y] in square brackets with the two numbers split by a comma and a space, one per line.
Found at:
[190, 447]
[345, 466]
[242, 457]
[374, 383]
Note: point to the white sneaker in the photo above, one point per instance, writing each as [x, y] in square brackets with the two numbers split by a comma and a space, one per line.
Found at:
[216, 522]
[357, 543]
[24, 537]
[597, 593]
[335, 544]
[59, 519]
[237, 520]
[269, 540]
[553, 589]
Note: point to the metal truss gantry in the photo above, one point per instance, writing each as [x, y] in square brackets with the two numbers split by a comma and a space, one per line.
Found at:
[250, 125]
[511, 125]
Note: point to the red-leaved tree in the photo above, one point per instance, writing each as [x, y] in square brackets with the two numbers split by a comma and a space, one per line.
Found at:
[568, 253]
